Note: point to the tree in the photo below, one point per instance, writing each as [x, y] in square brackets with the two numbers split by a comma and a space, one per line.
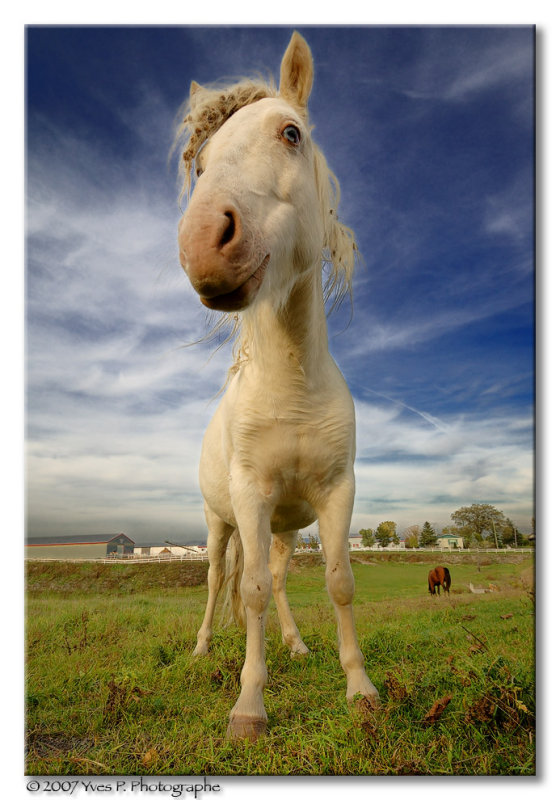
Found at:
[385, 532]
[428, 537]
[411, 536]
[313, 542]
[367, 537]
[479, 519]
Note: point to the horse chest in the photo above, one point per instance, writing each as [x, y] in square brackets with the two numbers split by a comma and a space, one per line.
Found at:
[293, 455]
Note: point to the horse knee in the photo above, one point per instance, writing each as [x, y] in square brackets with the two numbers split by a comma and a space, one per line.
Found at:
[340, 583]
[256, 587]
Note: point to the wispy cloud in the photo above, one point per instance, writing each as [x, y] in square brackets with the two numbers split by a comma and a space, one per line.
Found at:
[411, 465]
[116, 400]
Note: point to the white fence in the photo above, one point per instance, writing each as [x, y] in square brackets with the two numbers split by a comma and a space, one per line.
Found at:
[479, 550]
[138, 559]
[475, 550]
[135, 559]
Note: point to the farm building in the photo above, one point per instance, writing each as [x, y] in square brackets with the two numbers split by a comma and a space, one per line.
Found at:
[355, 543]
[449, 542]
[150, 550]
[116, 545]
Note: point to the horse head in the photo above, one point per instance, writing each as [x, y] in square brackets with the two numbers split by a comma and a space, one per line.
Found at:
[263, 209]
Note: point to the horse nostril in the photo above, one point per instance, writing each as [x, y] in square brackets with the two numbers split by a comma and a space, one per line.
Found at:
[229, 230]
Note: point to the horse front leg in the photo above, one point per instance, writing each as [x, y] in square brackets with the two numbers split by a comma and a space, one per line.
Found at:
[281, 551]
[248, 717]
[334, 525]
[219, 533]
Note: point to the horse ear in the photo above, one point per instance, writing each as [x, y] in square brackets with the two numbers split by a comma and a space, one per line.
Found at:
[296, 72]
[194, 91]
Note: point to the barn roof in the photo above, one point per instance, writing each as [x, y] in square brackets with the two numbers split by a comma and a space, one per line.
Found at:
[79, 538]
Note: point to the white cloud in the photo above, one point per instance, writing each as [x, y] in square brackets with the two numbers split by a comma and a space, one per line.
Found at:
[116, 402]
[410, 466]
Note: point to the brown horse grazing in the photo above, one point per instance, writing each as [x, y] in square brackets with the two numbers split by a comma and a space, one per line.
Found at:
[439, 577]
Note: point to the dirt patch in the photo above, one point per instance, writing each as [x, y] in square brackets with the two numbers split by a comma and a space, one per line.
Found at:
[437, 710]
[301, 561]
[48, 745]
[396, 688]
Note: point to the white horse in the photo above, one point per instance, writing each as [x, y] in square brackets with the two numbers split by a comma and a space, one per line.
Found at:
[260, 227]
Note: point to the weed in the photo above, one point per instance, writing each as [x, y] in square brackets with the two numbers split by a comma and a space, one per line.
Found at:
[78, 632]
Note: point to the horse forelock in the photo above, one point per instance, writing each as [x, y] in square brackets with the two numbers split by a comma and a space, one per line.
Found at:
[201, 119]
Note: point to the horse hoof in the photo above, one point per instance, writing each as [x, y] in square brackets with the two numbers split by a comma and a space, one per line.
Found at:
[365, 700]
[200, 650]
[299, 650]
[250, 728]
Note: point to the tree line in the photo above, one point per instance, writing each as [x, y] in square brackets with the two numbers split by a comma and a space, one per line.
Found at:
[478, 525]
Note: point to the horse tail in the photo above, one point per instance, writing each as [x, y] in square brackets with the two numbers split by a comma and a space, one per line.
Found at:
[234, 610]
[447, 577]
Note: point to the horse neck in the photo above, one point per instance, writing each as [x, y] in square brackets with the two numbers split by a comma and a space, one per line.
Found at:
[278, 340]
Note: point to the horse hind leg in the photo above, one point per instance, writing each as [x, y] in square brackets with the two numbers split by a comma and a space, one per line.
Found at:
[281, 551]
[219, 533]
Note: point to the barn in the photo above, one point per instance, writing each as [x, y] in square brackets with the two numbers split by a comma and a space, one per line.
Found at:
[114, 545]
[169, 549]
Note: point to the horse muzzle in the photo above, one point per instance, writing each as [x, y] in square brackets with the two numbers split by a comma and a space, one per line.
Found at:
[223, 259]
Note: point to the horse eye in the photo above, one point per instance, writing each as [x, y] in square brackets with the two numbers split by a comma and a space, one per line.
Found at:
[291, 134]
[199, 172]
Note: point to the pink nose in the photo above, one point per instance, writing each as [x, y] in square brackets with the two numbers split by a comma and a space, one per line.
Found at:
[213, 249]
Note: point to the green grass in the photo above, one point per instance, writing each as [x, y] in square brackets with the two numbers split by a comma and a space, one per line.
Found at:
[112, 687]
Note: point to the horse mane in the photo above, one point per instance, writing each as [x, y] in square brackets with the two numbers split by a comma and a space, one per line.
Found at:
[207, 109]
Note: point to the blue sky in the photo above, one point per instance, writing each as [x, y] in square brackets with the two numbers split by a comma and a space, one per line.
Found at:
[430, 132]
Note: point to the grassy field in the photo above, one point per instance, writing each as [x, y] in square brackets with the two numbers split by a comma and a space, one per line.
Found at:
[112, 688]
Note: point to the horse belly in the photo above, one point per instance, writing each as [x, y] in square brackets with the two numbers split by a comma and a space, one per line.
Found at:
[292, 517]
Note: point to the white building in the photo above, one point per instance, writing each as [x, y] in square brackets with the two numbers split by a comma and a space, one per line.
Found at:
[355, 543]
[449, 542]
[151, 550]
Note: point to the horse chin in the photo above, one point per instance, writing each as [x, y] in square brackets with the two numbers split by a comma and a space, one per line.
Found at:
[242, 296]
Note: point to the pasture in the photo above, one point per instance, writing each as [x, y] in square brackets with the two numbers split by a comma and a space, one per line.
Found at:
[112, 687]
